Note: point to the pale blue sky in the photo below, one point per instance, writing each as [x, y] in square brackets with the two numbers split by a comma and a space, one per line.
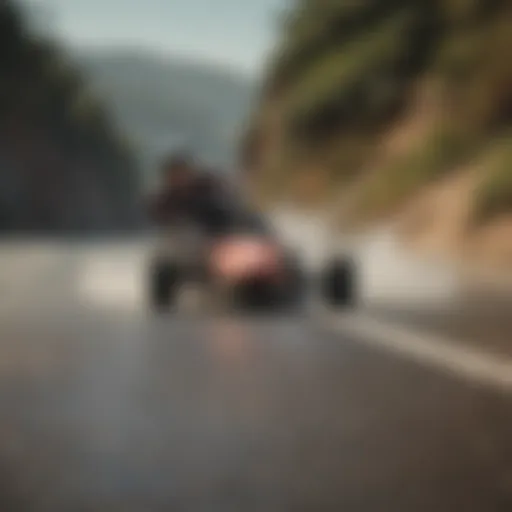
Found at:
[236, 32]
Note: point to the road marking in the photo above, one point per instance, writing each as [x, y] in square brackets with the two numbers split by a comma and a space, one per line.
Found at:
[445, 354]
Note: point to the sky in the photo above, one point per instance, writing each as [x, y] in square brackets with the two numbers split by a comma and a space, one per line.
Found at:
[237, 33]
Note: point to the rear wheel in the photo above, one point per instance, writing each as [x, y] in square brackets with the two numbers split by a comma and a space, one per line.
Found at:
[339, 283]
[164, 284]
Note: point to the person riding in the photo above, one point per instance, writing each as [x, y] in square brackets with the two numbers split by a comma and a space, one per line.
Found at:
[173, 198]
[188, 194]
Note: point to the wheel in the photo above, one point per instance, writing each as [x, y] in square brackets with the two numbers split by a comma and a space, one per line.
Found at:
[339, 283]
[164, 284]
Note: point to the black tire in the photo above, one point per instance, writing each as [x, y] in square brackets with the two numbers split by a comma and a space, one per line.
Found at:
[255, 297]
[339, 283]
[272, 298]
[164, 283]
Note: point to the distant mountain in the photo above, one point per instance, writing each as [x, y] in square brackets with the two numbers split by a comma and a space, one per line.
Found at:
[163, 101]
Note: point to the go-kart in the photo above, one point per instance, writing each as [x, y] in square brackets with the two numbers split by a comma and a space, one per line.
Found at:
[242, 265]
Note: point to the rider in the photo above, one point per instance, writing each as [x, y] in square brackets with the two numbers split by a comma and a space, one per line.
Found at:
[186, 193]
[173, 196]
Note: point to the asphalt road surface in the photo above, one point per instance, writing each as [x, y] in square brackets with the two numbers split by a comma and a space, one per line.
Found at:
[106, 408]
[481, 318]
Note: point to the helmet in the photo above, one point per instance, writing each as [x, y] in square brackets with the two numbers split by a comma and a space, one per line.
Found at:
[178, 160]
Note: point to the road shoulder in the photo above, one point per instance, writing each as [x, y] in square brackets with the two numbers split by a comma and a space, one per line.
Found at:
[444, 354]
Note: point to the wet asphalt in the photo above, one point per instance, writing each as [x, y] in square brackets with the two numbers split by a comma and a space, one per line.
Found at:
[112, 410]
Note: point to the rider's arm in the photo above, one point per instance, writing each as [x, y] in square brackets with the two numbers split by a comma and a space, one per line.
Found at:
[160, 208]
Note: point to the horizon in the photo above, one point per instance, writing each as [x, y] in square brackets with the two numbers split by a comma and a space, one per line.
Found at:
[163, 55]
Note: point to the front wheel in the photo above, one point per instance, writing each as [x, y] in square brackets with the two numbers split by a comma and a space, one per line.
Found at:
[339, 283]
[163, 285]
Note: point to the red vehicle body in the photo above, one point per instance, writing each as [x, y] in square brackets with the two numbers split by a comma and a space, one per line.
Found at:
[240, 258]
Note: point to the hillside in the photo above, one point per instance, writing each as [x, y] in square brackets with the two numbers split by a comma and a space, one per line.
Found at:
[161, 101]
[63, 165]
[375, 104]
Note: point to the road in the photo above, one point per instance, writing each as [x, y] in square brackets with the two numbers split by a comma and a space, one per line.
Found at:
[481, 318]
[106, 408]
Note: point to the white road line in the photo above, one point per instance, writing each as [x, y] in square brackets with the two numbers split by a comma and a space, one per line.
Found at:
[444, 354]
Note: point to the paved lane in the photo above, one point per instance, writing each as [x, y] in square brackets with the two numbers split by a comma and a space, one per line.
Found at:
[105, 408]
[481, 318]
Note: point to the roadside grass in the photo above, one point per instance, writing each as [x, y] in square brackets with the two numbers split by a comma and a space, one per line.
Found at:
[494, 195]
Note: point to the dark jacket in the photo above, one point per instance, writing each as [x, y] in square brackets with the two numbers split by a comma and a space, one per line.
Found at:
[203, 203]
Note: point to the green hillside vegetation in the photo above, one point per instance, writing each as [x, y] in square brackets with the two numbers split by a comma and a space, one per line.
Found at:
[63, 164]
[495, 194]
[349, 69]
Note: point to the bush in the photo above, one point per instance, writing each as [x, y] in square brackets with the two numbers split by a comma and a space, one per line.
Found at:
[334, 76]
